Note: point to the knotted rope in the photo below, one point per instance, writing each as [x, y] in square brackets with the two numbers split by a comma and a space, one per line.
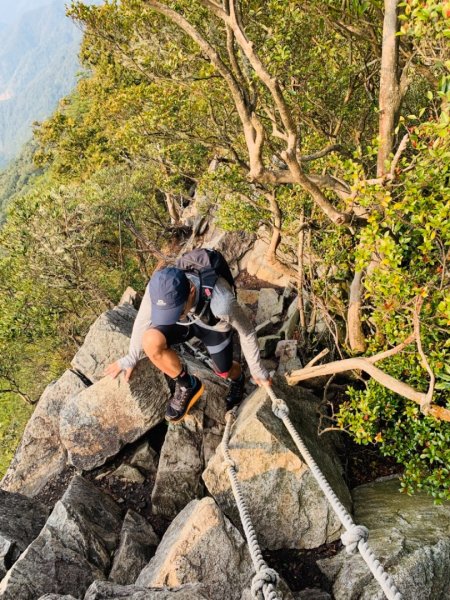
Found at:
[265, 580]
[355, 535]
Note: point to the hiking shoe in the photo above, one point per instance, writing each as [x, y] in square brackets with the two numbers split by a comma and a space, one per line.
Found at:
[235, 392]
[183, 400]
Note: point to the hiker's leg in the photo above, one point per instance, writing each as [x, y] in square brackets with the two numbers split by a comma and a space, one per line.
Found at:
[156, 345]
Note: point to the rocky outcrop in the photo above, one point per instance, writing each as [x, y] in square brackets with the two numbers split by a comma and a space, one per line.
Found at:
[21, 520]
[409, 535]
[182, 460]
[101, 590]
[201, 545]
[256, 264]
[138, 543]
[98, 422]
[286, 506]
[40, 456]
[106, 341]
[72, 550]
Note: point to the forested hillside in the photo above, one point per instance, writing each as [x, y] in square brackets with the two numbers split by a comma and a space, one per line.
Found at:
[329, 122]
[38, 63]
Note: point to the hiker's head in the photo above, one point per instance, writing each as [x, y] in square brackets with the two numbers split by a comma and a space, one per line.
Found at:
[169, 292]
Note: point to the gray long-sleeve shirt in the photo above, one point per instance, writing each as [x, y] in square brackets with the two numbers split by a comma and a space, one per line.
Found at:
[225, 307]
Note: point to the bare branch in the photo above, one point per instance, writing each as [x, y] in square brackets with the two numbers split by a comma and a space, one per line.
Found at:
[425, 407]
[366, 365]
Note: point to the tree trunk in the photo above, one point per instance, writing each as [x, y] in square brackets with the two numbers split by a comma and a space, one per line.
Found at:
[356, 338]
[389, 102]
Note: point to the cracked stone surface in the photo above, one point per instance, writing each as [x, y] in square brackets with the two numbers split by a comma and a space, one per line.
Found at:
[111, 413]
[73, 549]
[286, 505]
[409, 535]
[201, 545]
[21, 520]
[40, 456]
[102, 590]
[106, 341]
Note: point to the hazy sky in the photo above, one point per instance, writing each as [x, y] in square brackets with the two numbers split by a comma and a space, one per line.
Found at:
[11, 10]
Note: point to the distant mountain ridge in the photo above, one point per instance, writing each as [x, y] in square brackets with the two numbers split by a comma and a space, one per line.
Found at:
[38, 65]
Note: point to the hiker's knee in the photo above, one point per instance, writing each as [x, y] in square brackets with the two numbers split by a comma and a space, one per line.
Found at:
[154, 343]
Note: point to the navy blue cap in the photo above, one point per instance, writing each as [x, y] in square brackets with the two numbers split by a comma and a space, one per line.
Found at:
[169, 291]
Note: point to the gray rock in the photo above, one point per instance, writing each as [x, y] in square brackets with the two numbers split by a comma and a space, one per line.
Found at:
[107, 339]
[103, 590]
[291, 321]
[128, 473]
[409, 535]
[245, 296]
[232, 245]
[178, 479]
[201, 545]
[266, 326]
[112, 413]
[286, 351]
[286, 505]
[145, 458]
[312, 594]
[182, 459]
[138, 542]
[267, 345]
[268, 305]
[21, 520]
[255, 262]
[57, 597]
[40, 456]
[129, 297]
[72, 550]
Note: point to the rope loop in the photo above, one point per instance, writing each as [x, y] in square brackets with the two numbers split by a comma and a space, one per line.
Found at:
[264, 576]
[353, 536]
[280, 408]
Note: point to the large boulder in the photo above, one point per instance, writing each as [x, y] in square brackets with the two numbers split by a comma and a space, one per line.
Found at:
[107, 340]
[409, 535]
[21, 520]
[111, 413]
[72, 550]
[201, 545]
[255, 262]
[285, 503]
[138, 542]
[102, 590]
[187, 447]
[40, 456]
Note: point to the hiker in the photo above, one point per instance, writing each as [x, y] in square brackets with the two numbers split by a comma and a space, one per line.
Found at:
[182, 302]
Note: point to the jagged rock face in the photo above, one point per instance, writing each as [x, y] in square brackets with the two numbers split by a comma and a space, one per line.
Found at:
[40, 455]
[286, 506]
[101, 590]
[72, 550]
[106, 341]
[186, 445]
[21, 520]
[98, 422]
[409, 535]
[138, 542]
[201, 545]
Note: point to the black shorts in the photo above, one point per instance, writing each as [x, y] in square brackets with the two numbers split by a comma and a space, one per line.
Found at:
[218, 343]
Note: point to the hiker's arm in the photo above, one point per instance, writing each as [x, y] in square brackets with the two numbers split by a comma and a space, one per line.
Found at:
[237, 318]
[135, 353]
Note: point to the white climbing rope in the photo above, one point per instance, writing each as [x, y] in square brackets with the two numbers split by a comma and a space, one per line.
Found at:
[265, 580]
[355, 536]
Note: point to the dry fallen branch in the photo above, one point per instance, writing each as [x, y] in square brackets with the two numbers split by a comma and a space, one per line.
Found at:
[367, 365]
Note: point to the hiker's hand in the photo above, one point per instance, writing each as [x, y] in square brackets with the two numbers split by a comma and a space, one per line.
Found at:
[114, 369]
[263, 382]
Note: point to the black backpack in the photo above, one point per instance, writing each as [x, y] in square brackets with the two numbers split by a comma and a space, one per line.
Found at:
[208, 265]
